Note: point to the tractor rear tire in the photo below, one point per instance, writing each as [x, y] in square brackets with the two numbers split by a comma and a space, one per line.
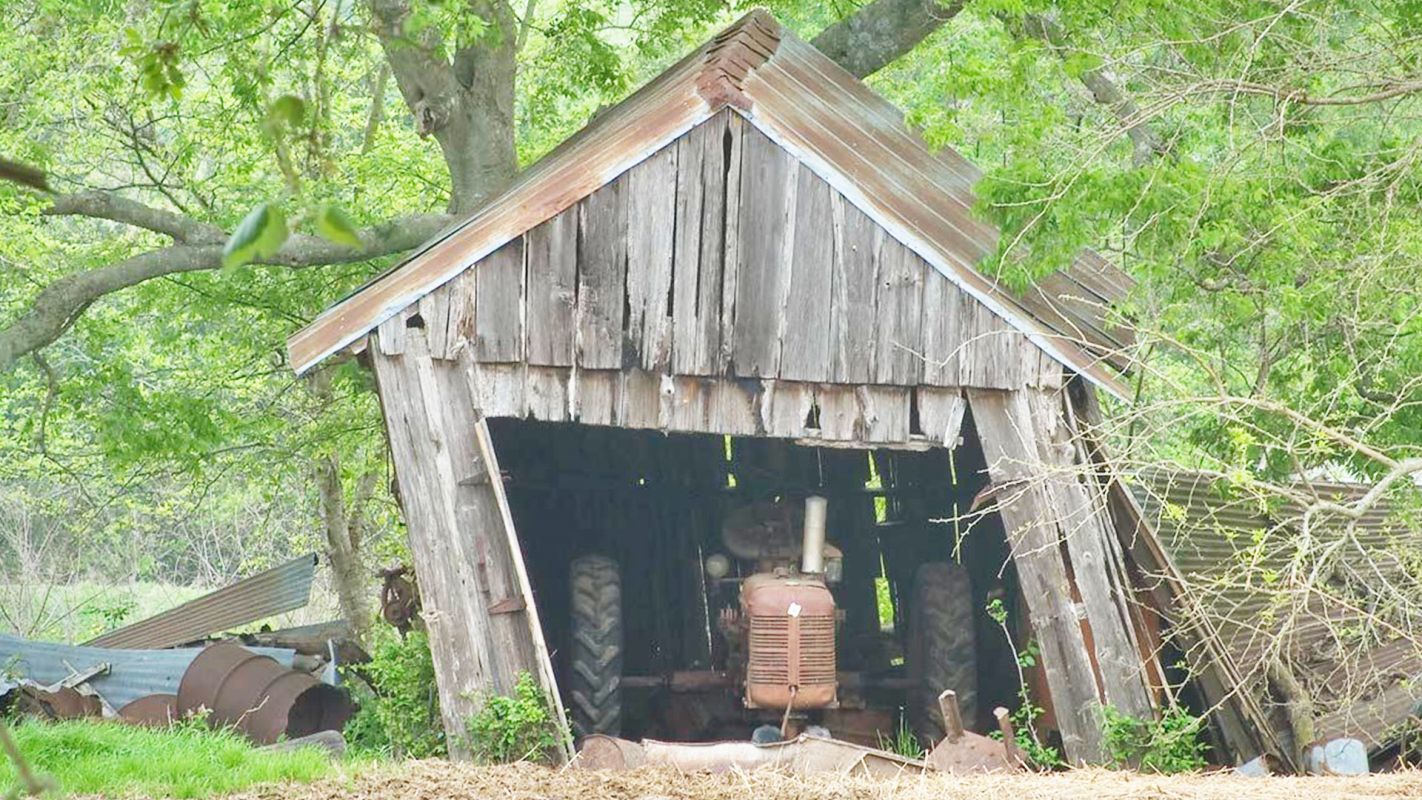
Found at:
[596, 651]
[942, 648]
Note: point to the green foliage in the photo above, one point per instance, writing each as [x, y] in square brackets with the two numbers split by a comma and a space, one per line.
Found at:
[401, 719]
[261, 235]
[1024, 717]
[518, 728]
[903, 742]
[333, 225]
[89, 757]
[1166, 746]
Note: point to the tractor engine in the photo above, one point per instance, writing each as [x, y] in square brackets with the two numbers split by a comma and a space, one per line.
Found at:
[787, 621]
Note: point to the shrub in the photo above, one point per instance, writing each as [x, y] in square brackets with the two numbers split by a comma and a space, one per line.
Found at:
[400, 717]
[1166, 746]
[518, 728]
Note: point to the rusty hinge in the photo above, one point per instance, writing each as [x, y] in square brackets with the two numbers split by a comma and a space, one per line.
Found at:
[508, 605]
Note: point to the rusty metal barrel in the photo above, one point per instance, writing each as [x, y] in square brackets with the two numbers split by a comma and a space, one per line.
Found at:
[259, 697]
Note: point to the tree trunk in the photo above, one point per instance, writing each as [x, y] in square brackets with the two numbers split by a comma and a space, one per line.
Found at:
[343, 543]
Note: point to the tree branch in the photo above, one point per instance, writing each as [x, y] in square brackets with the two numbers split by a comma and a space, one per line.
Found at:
[58, 304]
[879, 32]
[1103, 87]
[105, 205]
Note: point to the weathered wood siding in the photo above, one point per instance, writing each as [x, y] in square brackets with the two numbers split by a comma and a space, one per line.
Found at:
[720, 286]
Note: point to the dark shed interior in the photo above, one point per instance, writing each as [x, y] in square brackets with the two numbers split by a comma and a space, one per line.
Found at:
[656, 502]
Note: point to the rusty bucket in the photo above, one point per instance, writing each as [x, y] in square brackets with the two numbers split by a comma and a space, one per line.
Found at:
[258, 696]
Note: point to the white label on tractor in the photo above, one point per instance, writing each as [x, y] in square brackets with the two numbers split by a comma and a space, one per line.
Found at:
[793, 610]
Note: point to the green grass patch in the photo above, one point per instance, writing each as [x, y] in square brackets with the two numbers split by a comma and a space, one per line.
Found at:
[111, 759]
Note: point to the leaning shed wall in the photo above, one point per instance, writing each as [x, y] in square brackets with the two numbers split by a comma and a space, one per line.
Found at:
[721, 287]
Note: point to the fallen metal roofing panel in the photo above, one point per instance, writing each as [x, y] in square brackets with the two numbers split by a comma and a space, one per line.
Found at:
[280, 589]
[1211, 533]
[132, 673]
[836, 126]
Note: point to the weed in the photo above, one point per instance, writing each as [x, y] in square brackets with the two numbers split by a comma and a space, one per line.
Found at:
[518, 728]
[1023, 718]
[1166, 746]
[400, 718]
[903, 742]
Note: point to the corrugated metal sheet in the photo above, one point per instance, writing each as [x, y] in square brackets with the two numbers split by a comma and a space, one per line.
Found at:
[836, 126]
[276, 591]
[133, 673]
[1228, 544]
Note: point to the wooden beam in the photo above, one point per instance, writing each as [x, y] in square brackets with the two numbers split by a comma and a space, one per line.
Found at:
[1008, 432]
[462, 540]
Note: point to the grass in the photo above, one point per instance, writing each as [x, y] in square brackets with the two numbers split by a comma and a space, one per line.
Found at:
[110, 759]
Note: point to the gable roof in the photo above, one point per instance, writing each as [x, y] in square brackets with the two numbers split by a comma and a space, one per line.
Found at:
[830, 121]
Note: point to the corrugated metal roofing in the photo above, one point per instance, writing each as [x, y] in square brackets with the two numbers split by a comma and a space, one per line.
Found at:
[275, 591]
[840, 129]
[1225, 545]
[133, 673]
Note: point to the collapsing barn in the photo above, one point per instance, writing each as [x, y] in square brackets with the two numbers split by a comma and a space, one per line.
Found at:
[614, 387]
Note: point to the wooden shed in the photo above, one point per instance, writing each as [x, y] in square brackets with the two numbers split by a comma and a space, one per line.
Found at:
[751, 280]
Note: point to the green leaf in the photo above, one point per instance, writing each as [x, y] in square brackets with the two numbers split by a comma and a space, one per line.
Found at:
[261, 235]
[1078, 63]
[334, 226]
[288, 108]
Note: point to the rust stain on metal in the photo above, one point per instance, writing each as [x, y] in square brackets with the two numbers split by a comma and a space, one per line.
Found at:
[278, 590]
[154, 711]
[258, 696]
[833, 123]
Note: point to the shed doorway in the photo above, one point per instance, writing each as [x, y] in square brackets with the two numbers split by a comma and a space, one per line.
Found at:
[655, 506]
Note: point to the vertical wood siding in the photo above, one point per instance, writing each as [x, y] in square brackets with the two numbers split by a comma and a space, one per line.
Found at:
[722, 257]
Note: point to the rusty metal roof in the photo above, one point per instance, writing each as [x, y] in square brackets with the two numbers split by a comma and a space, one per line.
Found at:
[1228, 545]
[840, 129]
[275, 591]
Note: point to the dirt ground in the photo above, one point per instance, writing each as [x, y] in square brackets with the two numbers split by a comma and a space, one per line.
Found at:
[438, 780]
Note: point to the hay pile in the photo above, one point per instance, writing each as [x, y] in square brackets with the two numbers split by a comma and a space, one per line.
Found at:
[438, 780]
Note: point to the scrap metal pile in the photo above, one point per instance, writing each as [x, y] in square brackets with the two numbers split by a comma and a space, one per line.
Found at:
[163, 669]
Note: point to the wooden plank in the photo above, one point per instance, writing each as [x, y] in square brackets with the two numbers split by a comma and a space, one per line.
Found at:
[766, 242]
[390, 335]
[459, 330]
[434, 311]
[883, 414]
[898, 345]
[785, 407]
[852, 313]
[651, 225]
[805, 324]
[839, 412]
[639, 400]
[699, 248]
[735, 135]
[942, 332]
[499, 390]
[940, 414]
[1008, 436]
[602, 276]
[1084, 524]
[595, 396]
[498, 315]
[461, 540]
[552, 290]
[546, 390]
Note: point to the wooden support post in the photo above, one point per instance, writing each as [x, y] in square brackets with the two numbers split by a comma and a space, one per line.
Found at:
[477, 601]
[1038, 508]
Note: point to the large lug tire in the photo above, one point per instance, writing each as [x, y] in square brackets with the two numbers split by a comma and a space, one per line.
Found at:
[942, 648]
[596, 652]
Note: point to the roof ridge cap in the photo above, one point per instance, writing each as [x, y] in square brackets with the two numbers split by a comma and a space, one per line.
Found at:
[734, 53]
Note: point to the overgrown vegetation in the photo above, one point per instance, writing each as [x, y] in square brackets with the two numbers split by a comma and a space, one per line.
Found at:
[1025, 716]
[903, 742]
[1167, 746]
[91, 757]
[400, 717]
[518, 728]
